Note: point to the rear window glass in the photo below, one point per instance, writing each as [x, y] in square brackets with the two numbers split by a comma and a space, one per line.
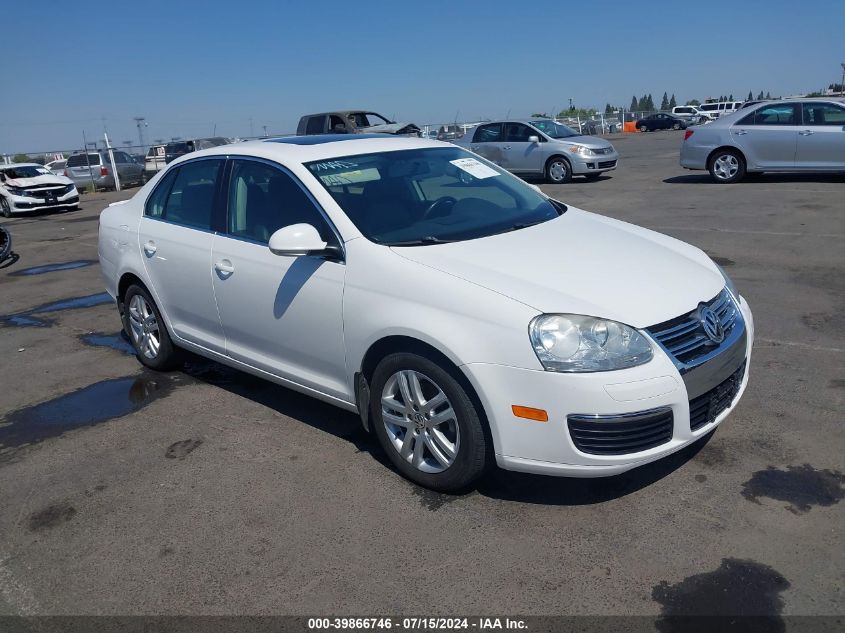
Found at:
[79, 160]
[315, 125]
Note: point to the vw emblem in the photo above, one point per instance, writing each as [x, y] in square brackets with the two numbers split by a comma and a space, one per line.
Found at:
[711, 324]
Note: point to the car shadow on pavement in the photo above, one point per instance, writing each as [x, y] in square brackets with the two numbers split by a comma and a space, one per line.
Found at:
[569, 491]
[705, 179]
[496, 484]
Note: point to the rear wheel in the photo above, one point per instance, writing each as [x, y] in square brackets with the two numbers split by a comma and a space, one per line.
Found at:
[558, 170]
[146, 329]
[643, 128]
[426, 423]
[676, 126]
[727, 166]
[5, 208]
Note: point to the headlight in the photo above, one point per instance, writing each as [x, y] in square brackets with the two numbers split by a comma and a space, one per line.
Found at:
[15, 191]
[575, 343]
[729, 283]
[580, 149]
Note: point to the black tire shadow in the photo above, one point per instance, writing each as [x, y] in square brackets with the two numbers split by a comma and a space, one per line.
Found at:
[704, 178]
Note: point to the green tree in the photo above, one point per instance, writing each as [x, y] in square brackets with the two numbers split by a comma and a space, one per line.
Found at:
[693, 102]
[539, 115]
[730, 98]
[634, 103]
[672, 102]
[750, 96]
[768, 95]
[607, 108]
[20, 158]
[760, 96]
[664, 104]
[650, 103]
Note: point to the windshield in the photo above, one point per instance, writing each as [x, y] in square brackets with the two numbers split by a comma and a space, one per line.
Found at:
[26, 171]
[425, 196]
[554, 129]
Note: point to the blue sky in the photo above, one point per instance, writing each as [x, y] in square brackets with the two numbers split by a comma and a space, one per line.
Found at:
[188, 66]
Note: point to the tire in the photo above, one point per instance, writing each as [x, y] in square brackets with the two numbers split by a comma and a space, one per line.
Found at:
[726, 166]
[459, 439]
[5, 209]
[676, 126]
[558, 170]
[139, 310]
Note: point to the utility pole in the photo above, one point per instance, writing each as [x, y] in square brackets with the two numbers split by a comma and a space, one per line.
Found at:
[141, 122]
[111, 160]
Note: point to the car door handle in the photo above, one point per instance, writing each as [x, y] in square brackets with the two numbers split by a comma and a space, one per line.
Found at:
[805, 133]
[224, 267]
[506, 147]
[150, 248]
[740, 132]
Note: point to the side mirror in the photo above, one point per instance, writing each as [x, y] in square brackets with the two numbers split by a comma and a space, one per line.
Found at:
[533, 139]
[296, 240]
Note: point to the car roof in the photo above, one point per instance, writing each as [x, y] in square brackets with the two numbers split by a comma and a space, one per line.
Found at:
[302, 149]
[13, 165]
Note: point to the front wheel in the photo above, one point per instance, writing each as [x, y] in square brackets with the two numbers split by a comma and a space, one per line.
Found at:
[727, 166]
[146, 329]
[426, 423]
[5, 208]
[676, 126]
[558, 171]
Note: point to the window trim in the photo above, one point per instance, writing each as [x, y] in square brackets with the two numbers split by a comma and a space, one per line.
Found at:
[224, 195]
[214, 227]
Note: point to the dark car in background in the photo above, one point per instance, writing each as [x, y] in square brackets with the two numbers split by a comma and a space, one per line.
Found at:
[175, 149]
[353, 122]
[660, 121]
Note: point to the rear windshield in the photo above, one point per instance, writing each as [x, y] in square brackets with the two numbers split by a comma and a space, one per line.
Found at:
[78, 160]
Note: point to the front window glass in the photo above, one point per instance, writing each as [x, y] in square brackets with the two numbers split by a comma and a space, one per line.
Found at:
[426, 196]
[25, 171]
[263, 199]
[518, 133]
[823, 114]
[554, 129]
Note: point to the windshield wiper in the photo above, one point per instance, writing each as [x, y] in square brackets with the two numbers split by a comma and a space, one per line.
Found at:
[429, 239]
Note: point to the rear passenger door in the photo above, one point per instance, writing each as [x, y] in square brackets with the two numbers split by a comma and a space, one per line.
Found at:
[488, 141]
[175, 238]
[769, 136]
[821, 139]
[280, 314]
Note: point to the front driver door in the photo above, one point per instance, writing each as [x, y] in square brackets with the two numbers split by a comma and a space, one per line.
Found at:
[175, 237]
[280, 314]
[517, 153]
[821, 139]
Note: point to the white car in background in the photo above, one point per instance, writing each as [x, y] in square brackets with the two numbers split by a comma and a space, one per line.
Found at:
[33, 187]
[466, 317]
[57, 167]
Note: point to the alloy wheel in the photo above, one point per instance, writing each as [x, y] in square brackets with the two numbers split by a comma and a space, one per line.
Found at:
[144, 327]
[725, 166]
[420, 422]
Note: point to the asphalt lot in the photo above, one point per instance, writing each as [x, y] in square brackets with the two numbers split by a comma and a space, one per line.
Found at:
[208, 491]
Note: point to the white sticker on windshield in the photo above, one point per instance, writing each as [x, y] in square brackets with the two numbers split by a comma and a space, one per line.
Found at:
[474, 168]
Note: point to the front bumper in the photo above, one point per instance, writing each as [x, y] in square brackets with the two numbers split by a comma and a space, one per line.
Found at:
[548, 447]
[582, 165]
[27, 203]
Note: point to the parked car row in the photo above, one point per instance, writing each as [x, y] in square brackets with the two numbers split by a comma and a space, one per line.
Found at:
[94, 169]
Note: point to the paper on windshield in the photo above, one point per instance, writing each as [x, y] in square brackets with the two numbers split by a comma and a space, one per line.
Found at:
[474, 168]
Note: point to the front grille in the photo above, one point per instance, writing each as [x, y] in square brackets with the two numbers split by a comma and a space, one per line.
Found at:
[607, 163]
[684, 337]
[621, 434]
[706, 408]
[603, 150]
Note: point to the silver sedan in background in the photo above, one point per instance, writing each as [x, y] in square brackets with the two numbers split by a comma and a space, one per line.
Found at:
[806, 135]
[541, 147]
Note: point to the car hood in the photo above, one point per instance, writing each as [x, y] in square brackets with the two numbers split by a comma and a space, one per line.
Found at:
[393, 128]
[593, 142]
[45, 179]
[582, 263]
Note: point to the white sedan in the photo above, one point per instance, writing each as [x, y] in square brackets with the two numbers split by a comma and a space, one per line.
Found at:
[33, 187]
[466, 317]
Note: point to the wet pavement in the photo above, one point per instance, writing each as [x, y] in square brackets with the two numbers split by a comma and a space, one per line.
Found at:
[209, 491]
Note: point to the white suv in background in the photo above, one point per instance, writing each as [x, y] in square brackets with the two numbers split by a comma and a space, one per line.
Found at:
[465, 316]
[719, 108]
[154, 161]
